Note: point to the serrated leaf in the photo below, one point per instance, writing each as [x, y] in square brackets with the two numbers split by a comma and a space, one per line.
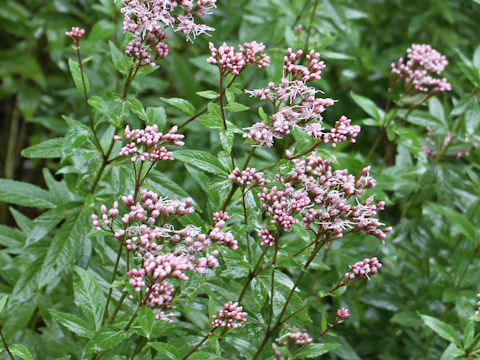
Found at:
[51, 148]
[20, 193]
[236, 107]
[208, 94]
[21, 351]
[166, 350]
[145, 319]
[64, 246]
[106, 338]
[89, 296]
[442, 329]
[72, 323]
[369, 107]
[43, 224]
[182, 104]
[77, 77]
[200, 159]
[315, 350]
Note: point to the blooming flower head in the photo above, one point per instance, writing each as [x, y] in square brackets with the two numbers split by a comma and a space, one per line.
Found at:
[419, 71]
[297, 105]
[231, 62]
[161, 251]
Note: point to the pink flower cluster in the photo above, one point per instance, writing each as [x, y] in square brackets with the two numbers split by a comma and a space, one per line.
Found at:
[343, 313]
[149, 143]
[267, 238]
[248, 177]
[162, 251]
[363, 269]
[148, 18]
[75, 34]
[326, 200]
[423, 63]
[298, 105]
[231, 316]
[300, 338]
[343, 131]
[231, 62]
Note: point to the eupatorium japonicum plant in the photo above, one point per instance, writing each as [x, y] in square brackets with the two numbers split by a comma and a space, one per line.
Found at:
[234, 278]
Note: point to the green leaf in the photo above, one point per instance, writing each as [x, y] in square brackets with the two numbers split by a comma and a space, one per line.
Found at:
[166, 350]
[208, 94]
[262, 114]
[323, 324]
[51, 148]
[406, 318]
[156, 115]
[89, 296]
[145, 319]
[236, 107]
[452, 352]
[106, 338]
[182, 104]
[369, 107]
[200, 159]
[77, 77]
[43, 224]
[315, 350]
[72, 323]
[3, 301]
[303, 142]
[99, 103]
[64, 246]
[119, 59]
[100, 31]
[21, 351]
[460, 221]
[409, 139]
[442, 329]
[20, 193]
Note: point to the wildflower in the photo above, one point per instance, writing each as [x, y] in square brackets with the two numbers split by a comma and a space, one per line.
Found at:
[300, 338]
[343, 314]
[298, 105]
[231, 62]
[148, 144]
[230, 316]
[423, 63]
[248, 177]
[75, 34]
[363, 269]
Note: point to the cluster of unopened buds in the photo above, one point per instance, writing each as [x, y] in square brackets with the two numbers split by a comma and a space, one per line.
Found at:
[75, 34]
[432, 149]
[149, 143]
[326, 200]
[363, 269]
[342, 314]
[419, 71]
[231, 316]
[267, 238]
[298, 105]
[231, 62]
[146, 19]
[248, 177]
[162, 251]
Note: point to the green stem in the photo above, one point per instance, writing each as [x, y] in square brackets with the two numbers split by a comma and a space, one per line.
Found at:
[199, 344]
[6, 345]
[85, 95]
[272, 289]
[134, 316]
[309, 31]
[245, 221]
[194, 117]
[105, 312]
[117, 308]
